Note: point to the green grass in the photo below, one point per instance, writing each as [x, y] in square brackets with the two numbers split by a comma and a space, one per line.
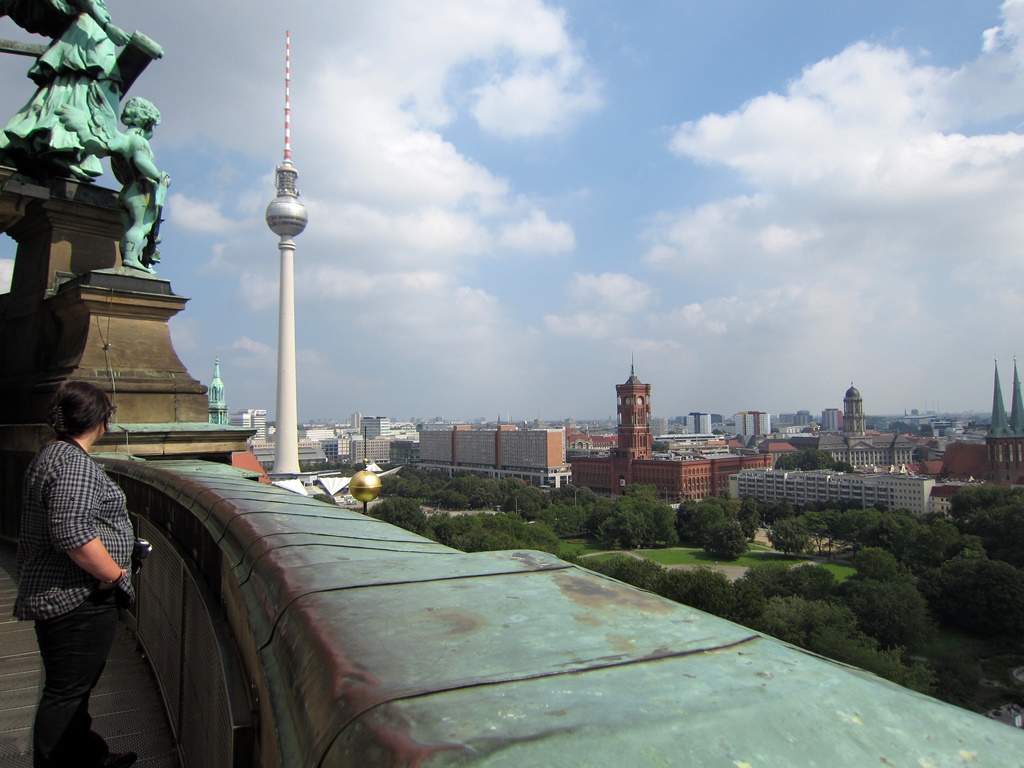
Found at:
[601, 558]
[700, 557]
[841, 572]
[579, 547]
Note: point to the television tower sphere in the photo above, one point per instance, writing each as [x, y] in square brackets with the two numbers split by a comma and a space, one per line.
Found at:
[286, 215]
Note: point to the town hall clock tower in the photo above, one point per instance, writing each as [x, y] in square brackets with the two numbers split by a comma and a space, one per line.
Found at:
[634, 409]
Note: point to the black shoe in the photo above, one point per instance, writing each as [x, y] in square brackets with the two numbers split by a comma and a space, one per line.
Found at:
[118, 760]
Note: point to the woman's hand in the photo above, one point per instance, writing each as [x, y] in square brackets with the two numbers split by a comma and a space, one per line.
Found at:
[112, 585]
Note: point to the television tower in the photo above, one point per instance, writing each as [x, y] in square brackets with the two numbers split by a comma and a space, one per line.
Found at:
[286, 217]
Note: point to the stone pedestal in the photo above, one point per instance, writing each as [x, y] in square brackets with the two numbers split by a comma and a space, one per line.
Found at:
[74, 313]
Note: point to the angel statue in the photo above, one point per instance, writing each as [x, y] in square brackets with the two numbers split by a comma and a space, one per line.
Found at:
[80, 69]
[143, 186]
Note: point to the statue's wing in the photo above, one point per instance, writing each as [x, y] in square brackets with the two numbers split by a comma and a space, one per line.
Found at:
[95, 135]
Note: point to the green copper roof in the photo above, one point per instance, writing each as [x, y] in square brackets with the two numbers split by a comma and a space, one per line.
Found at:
[1017, 407]
[999, 427]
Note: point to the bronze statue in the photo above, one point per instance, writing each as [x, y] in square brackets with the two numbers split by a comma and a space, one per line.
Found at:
[79, 69]
[71, 120]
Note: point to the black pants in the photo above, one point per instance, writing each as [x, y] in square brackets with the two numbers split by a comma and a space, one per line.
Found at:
[74, 648]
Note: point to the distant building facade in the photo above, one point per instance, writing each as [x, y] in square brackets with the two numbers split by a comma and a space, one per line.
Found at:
[534, 455]
[630, 460]
[698, 423]
[855, 445]
[372, 449]
[374, 426]
[825, 486]
[831, 420]
[753, 423]
[254, 418]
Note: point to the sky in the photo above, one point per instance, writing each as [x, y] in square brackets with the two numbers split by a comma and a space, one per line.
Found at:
[511, 200]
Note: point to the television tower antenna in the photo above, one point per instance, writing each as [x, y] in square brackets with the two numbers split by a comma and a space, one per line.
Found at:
[286, 217]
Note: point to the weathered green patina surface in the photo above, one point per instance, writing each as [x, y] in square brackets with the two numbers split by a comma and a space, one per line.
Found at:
[381, 648]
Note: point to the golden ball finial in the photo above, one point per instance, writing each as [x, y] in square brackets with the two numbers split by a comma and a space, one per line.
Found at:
[364, 486]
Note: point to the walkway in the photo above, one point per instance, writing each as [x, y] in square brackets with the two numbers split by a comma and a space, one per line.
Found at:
[126, 707]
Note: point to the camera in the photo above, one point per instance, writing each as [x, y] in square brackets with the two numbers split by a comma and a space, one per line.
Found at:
[140, 551]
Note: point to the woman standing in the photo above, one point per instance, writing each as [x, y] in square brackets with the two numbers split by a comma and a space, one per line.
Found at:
[74, 550]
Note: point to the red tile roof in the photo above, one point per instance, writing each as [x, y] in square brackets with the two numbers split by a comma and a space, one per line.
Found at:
[964, 460]
[247, 460]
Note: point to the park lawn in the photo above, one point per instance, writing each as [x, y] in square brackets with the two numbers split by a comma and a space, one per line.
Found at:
[841, 572]
[680, 556]
[580, 547]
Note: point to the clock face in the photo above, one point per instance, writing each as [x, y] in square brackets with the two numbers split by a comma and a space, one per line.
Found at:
[629, 401]
[640, 401]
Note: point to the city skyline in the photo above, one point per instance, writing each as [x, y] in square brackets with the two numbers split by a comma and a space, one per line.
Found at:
[511, 199]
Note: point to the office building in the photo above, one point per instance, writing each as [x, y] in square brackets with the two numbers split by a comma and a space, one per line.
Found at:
[831, 420]
[534, 455]
[253, 418]
[374, 426]
[698, 423]
[753, 423]
[825, 486]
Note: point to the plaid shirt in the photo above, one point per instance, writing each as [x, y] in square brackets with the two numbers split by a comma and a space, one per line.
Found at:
[68, 501]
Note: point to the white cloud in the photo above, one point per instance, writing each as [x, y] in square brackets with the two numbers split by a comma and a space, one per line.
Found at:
[199, 216]
[255, 353]
[611, 291]
[584, 325]
[853, 169]
[538, 234]
[535, 102]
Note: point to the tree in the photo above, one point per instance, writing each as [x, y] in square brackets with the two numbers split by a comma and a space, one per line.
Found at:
[405, 513]
[892, 612]
[812, 582]
[981, 596]
[790, 537]
[857, 528]
[875, 564]
[996, 515]
[640, 572]
[695, 520]
[576, 496]
[749, 517]
[831, 629]
[664, 524]
[564, 520]
[701, 588]
[806, 460]
[726, 540]
[524, 500]
[821, 526]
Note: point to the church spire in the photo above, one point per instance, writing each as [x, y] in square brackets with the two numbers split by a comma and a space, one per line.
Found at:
[218, 407]
[1017, 406]
[999, 427]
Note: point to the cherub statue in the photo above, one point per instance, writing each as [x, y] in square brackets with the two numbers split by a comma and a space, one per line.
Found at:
[143, 186]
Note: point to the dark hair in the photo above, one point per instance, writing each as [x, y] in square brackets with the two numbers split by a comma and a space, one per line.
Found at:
[78, 407]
